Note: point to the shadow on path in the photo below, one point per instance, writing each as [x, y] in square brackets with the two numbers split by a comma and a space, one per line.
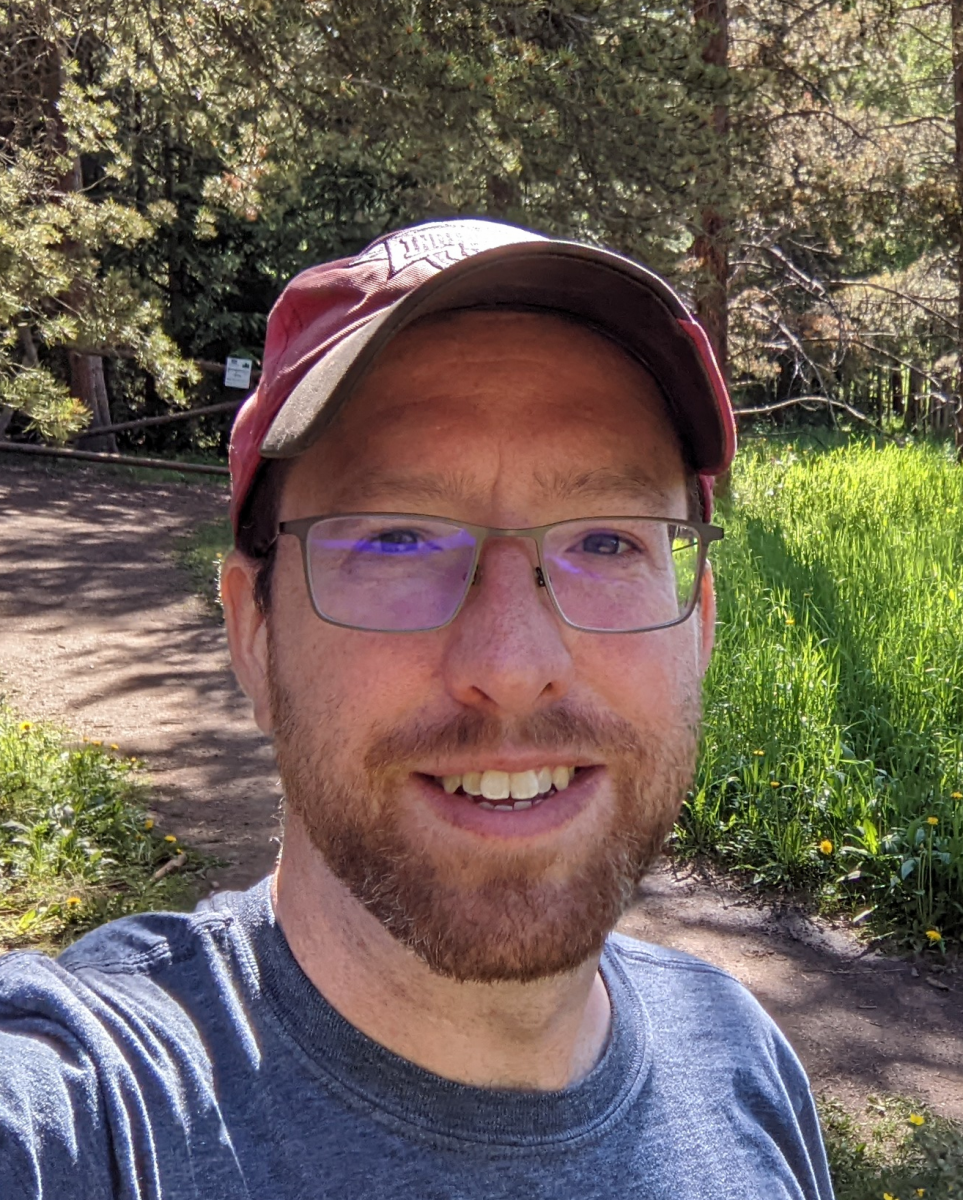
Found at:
[99, 630]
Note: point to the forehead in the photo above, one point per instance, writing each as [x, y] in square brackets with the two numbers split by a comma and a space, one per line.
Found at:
[460, 401]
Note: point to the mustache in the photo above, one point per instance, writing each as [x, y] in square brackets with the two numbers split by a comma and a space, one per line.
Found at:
[581, 732]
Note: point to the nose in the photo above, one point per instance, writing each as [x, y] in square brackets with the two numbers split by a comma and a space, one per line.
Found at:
[507, 650]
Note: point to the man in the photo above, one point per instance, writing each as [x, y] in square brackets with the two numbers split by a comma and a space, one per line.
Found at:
[469, 599]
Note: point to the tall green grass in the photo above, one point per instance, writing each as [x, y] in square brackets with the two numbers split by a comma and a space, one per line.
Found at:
[76, 845]
[833, 749]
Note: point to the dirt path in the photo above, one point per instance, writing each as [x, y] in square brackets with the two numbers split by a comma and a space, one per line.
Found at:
[98, 629]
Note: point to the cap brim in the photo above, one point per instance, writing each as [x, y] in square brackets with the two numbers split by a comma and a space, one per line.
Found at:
[618, 297]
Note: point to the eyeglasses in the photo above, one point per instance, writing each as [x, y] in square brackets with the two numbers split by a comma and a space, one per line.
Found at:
[406, 573]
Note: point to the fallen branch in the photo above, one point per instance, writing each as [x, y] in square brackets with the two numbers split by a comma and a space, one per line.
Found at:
[810, 403]
[123, 460]
[173, 864]
[142, 422]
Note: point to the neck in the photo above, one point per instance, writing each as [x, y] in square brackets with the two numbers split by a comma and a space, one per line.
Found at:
[538, 1036]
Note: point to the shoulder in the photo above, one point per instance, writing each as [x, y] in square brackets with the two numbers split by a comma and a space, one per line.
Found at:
[695, 1005]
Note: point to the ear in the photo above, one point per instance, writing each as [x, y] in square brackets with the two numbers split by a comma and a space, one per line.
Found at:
[247, 634]
[707, 618]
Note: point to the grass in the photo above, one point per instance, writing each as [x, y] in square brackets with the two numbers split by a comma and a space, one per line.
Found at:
[892, 1150]
[200, 553]
[76, 845]
[833, 747]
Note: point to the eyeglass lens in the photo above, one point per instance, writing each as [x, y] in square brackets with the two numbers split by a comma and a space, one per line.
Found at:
[410, 573]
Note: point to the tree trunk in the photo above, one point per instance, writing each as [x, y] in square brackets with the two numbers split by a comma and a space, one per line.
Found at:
[956, 25]
[711, 245]
[87, 381]
[89, 386]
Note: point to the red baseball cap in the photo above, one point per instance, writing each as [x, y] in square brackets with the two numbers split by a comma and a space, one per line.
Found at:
[332, 321]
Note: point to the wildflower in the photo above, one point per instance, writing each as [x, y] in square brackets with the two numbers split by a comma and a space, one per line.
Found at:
[916, 1119]
[956, 795]
[26, 726]
[759, 753]
[932, 820]
[774, 783]
[73, 901]
[149, 823]
[790, 620]
[826, 846]
[921, 1191]
[169, 837]
[887, 1196]
[114, 746]
[96, 741]
[934, 935]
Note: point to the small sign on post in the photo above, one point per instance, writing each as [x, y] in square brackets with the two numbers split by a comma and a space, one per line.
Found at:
[237, 373]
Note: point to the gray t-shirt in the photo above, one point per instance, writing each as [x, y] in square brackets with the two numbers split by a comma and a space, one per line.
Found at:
[187, 1056]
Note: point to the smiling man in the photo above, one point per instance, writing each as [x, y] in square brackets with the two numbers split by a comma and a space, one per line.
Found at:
[470, 601]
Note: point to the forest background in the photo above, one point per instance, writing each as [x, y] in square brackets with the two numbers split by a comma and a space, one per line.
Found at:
[794, 166]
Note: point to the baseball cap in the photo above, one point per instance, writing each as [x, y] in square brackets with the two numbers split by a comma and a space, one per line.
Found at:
[332, 321]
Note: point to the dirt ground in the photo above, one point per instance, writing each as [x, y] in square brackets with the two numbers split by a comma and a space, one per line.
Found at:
[99, 631]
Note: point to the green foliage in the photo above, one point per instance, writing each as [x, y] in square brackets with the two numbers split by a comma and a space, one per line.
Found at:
[201, 553]
[76, 847]
[833, 750]
[894, 1150]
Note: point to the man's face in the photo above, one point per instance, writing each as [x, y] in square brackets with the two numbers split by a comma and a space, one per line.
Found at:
[508, 420]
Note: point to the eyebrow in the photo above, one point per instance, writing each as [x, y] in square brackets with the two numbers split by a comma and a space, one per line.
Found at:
[632, 483]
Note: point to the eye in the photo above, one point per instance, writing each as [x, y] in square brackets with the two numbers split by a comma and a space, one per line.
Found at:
[393, 541]
[607, 543]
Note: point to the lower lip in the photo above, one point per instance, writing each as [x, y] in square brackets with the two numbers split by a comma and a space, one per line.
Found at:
[552, 813]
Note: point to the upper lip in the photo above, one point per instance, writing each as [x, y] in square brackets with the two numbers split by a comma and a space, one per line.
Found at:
[513, 765]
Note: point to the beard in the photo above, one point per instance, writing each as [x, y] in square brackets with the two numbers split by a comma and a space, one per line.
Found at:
[484, 914]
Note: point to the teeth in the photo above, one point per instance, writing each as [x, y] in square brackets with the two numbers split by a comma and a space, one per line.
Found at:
[495, 785]
[524, 785]
[524, 789]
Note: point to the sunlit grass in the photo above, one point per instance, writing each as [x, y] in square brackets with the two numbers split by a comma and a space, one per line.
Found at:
[76, 845]
[833, 750]
[892, 1149]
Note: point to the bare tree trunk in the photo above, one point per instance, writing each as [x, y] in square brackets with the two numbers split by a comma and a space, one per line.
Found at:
[711, 246]
[87, 382]
[956, 25]
[89, 386]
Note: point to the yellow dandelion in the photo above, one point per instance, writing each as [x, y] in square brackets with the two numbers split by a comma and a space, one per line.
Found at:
[759, 753]
[934, 935]
[826, 846]
[790, 620]
[169, 837]
[774, 783]
[932, 820]
[887, 1196]
[114, 746]
[26, 726]
[916, 1119]
[73, 901]
[956, 795]
[149, 823]
[96, 741]
[921, 1191]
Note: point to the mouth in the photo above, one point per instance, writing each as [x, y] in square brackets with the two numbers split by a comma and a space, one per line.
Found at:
[508, 791]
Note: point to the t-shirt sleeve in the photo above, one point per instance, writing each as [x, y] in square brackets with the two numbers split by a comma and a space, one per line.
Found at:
[53, 1139]
[72, 1117]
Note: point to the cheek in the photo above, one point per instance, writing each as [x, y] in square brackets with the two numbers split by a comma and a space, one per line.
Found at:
[649, 679]
[344, 682]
